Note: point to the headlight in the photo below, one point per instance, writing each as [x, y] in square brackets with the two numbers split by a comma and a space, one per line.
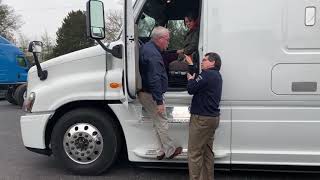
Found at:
[28, 103]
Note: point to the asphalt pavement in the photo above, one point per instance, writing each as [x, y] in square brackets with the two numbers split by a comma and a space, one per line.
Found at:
[17, 163]
[2, 94]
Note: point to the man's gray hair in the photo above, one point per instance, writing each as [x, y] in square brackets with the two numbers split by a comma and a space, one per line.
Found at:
[158, 32]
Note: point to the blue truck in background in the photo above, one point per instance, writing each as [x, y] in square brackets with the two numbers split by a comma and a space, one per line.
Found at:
[14, 68]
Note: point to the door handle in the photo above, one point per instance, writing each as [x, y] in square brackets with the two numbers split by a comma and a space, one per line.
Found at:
[131, 38]
[310, 16]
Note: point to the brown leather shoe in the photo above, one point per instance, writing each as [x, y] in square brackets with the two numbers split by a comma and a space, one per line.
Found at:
[176, 152]
[160, 157]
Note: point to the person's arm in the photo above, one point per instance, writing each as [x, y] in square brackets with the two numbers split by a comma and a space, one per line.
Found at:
[180, 51]
[192, 45]
[154, 79]
[188, 59]
[194, 85]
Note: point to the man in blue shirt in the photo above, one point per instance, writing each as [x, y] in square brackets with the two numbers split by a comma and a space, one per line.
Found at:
[154, 85]
[205, 116]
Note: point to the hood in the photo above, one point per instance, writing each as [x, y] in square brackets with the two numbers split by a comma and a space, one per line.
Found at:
[71, 57]
[75, 76]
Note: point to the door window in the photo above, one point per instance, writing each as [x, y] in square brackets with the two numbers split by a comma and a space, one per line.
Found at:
[22, 62]
[145, 25]
[303, 31]
[178, 32]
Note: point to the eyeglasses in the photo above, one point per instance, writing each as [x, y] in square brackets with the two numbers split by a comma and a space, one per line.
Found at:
[205, 59]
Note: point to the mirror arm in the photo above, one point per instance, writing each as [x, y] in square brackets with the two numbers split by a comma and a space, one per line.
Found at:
[116, 51]
[41, 74]
[103, 46]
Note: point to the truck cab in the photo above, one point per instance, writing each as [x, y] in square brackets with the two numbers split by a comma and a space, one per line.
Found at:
[86, 112]
[14, 68]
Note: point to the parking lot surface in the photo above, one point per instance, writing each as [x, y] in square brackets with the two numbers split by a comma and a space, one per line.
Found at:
[17, 163]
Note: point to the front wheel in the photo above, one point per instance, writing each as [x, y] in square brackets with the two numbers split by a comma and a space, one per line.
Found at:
[10, 96]
[20, 93]
[86, 141]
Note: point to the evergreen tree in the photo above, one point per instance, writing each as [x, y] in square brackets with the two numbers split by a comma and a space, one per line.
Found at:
[71, 36]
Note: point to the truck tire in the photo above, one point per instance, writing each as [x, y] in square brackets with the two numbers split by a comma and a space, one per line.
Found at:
[86, 141]
[10, 96]
[19, 94]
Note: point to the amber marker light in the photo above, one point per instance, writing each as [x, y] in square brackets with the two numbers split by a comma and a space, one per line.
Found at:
[115, 85]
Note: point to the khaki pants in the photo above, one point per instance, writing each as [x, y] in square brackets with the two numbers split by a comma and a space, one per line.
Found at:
[200, 154]
[160, 125]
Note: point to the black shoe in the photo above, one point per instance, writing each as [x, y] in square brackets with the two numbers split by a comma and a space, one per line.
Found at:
[160, 157]
[176, 152]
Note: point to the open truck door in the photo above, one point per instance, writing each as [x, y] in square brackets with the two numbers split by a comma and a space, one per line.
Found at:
[131, 52]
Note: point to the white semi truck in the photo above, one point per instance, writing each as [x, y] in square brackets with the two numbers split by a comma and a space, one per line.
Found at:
[86, 109]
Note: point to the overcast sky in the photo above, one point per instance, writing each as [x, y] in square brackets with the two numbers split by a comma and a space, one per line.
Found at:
[39, 16]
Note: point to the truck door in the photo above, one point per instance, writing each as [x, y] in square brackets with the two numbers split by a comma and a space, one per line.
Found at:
[131, 53]
[177, 99]
[4, 65]
[22, 68]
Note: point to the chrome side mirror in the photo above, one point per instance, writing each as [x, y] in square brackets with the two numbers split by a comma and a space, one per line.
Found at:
[95, 19]
[35, 47]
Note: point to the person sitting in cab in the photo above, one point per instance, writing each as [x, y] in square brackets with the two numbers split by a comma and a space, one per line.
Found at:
[190, 44]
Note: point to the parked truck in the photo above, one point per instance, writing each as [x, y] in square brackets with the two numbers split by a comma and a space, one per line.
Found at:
[14, 68]
[86, 111]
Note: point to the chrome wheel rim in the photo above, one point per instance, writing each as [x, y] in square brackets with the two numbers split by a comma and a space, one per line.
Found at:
[83, 143]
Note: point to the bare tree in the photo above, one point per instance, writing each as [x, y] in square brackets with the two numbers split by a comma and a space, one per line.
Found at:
[47, 46]
[23, 42]
[113, 24]
[9, 21]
